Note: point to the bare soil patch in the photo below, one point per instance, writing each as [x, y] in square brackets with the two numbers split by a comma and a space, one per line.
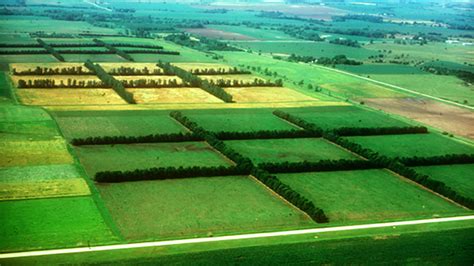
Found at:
[446, 117]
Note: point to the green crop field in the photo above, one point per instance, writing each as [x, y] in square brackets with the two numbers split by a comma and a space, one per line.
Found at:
[332, 117]
[197, 207]
[368, 195]
[83, 124]
[49, 223]
[291, 150]
[420, 145]
[123, 157]
[240, 120]
[456, 176]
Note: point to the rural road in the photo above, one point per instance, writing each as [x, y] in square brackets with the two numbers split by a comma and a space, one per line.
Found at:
[232, 237]
[98, 6]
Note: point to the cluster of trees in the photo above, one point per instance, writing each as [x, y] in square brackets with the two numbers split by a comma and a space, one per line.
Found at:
[219, 71]
[132, 71]
[467, 76]
[202, 44]
[115, 50]
[346, 42]
[265, 134]
[241, 83]
[110, 81]
[316, 131]
[39, 71]
[195, 81]
[291, 195]
[151, 83]
[367, 131]
[51, 83]
[50, 50]
[167, 173]
[326, 61]
[303, 33]
[438, 160]
[321, 166]
[172, 137]
[368, 18]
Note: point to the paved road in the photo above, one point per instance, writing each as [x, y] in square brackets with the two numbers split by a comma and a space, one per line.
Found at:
[228, 238]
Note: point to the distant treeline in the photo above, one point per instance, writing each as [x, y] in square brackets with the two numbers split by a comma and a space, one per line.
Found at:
[45, 71]
[194, 81]
[110, 81]
[326, 61]
[167, 173]
[52, 83]
[467, 76]
[51, 50]
[172, 137]
[241, 83]
[346, 42]
[368, 18]
[203, 44]
[219, 71]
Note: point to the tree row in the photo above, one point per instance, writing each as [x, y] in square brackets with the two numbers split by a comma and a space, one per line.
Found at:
[50, 50]
[153, 138]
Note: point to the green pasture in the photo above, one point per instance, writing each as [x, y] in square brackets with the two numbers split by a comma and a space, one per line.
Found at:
[456, 176]
[368, 196]
[291, 150]
[382, 69]
[127, 157]
[197, 207]
[421, 145]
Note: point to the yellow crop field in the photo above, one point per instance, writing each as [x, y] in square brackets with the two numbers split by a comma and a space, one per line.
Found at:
[267, 94]
[57, 78]
[68, 96]
[162, 78]
[27, 66]
[38, 152]
[173, 95]
[44, 189]
[231, 77]
[200, 66]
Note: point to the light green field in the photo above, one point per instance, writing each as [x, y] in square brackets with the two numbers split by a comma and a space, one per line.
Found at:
[51, 223]
[421, 145]
[456, 176]
[332, 117]
[197, 207]
[116, 123]
[241, 120]
[36, 58]
[291, 150]
[123, 157]
[368, 195]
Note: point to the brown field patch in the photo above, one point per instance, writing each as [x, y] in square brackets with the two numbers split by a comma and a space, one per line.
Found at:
[173, 95]
[220, 34]
[267, 94]
[68, 96]
[446, 117]
[44, 189]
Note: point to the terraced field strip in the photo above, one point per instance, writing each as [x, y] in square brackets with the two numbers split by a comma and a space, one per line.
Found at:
[233, 237]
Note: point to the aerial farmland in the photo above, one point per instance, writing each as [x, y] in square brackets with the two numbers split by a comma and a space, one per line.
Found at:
[235, 133]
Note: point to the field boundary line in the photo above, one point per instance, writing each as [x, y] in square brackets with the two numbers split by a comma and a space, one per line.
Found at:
[231, 237]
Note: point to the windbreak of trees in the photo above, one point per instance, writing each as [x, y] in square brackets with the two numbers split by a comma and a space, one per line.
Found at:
[151, 83]
[194, 81]
[52, 83]
[50, 50]
[438, 160]
[134, 45]
[135, 51]
[219, 71]
[110, 81]
[291, 195]
[39, 71]
[132, 71]
[320, 166]
[241, 83]
[167, 173]
[15, 52]
[266, 134]
[20, 45]
[466, 76]
[299, 122]
[326, 61]
[115, 50]
[172, 137]
[202, 44]
[363, 131]
[346, 42]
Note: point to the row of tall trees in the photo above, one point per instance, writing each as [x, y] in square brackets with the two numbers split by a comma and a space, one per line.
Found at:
[194, 81]
[167, 173]
[370, 131]
[74, 70]
[50, 50]
[148, 51]
[152, 138]
[241, 83]
[15, 52]
[115, 50]
[132, 71]
[52, 83]
[110, 81]
[299, 122]
[219, 71]
[152, 83]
